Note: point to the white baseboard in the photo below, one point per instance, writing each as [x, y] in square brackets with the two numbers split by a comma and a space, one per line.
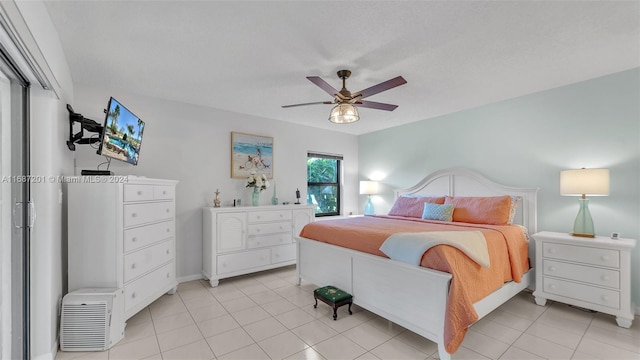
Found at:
[189, 278]
[48, 356]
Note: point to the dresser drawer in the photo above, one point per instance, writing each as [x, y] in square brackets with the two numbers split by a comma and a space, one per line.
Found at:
[141, 261]
[245, 260]
[138, 193]
[283, 253]
[269, 240]
[136, 238]
[269, 228]
[270, 215]
[592, 275]
[162, 192]
[591, 294]
[140, 290]
[137, 214]
[586, 255]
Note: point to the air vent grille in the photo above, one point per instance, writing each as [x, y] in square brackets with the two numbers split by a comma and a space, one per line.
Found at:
[85, 326]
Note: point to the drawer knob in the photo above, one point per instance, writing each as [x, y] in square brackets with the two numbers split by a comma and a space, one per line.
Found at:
[553, 286]
[277, 255]
[134, 239]
[168, 230]
[168, 275]
[257, 242]
[164, 192]
[605, 298]
[139, 192]
[133, 266]
[134, 215]
[605, 277]
[133, 295]
[280, 215]
[258, 217]
[552, 251]
[604, 257]
[168, 211]
[552, 268]
[167, 252]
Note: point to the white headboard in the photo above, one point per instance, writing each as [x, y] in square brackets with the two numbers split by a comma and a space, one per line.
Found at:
[465, 182]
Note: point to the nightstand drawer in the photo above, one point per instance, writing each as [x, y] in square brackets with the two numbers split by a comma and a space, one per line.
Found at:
[591, 275]
[594, 295]
[582, 254]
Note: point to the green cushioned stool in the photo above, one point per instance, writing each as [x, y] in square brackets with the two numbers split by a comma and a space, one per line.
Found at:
[333, 297]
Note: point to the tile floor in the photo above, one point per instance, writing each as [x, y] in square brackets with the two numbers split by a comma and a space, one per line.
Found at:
[266, 316]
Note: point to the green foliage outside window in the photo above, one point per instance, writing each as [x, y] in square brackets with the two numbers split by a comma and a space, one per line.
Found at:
[323, 176]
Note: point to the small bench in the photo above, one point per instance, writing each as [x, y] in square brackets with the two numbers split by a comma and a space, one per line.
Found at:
[333, 297]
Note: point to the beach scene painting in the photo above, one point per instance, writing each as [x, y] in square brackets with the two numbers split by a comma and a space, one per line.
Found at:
[251, 153]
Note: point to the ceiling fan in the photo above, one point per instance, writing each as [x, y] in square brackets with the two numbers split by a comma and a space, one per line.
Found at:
[345, 111]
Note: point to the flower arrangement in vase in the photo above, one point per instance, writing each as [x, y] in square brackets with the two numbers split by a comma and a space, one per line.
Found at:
[258, 183]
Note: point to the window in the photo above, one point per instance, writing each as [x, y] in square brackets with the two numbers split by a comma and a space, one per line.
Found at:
[323, 183]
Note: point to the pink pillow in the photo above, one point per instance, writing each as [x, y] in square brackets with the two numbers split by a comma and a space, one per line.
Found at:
[413, 206]
[492, 210]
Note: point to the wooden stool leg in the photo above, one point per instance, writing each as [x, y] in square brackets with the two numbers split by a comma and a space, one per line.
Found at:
[335, 314]
[350, 313]
[316, 305]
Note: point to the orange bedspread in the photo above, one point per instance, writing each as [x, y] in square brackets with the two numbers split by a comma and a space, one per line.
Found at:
[508, 253]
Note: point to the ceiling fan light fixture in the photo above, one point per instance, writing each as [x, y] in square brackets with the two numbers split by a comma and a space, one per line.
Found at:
[344, 113]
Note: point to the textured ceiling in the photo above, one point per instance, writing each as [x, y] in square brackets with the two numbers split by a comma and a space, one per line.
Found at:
[252, 57]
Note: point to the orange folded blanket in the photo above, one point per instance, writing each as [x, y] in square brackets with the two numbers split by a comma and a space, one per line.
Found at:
[507, 246]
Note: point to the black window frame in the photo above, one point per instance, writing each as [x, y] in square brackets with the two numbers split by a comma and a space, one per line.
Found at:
[337, 184]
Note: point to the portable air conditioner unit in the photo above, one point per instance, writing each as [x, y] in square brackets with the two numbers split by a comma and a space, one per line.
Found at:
[92, 319]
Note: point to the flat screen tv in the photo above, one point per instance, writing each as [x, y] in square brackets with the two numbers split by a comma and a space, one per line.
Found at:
[122, 133]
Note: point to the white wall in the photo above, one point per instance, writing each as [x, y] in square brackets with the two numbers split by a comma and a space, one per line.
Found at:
[526, 142]
[192, 144]
[49, 157]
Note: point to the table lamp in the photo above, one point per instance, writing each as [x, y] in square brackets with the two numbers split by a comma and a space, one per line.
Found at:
[583, 182]
[369, 188]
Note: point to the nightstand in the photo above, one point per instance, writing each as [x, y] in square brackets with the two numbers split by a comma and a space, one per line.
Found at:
[593, 273]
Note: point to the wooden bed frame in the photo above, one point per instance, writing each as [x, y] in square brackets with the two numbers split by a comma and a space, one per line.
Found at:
[388, 288]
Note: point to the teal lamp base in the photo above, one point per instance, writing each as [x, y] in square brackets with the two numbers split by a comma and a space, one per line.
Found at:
[583, 226]
[368, 208]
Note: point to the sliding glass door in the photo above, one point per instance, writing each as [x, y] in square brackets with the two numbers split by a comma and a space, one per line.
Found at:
[14, 211]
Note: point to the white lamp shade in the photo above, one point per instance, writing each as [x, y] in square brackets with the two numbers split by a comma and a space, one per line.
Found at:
[593, 182]
[344, 113]
[369, 187]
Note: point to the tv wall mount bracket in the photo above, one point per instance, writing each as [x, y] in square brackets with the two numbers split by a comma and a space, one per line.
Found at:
[85, 124]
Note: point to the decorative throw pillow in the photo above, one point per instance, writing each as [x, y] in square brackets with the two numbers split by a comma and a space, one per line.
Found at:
[413, 206]
[438, 212]
[492, 210]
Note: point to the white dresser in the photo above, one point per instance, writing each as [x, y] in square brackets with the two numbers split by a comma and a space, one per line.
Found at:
[242, 240]
[122, 235]
[593, 273]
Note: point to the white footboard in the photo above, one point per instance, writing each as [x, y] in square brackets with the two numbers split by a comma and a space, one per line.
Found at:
[410, 296]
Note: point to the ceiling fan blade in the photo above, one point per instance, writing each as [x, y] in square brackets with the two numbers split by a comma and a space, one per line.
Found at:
[311, 103]
[389, 84]
[375, 105]
[323, 85]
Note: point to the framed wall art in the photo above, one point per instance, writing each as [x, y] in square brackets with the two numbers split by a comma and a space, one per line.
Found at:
[251, 153]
